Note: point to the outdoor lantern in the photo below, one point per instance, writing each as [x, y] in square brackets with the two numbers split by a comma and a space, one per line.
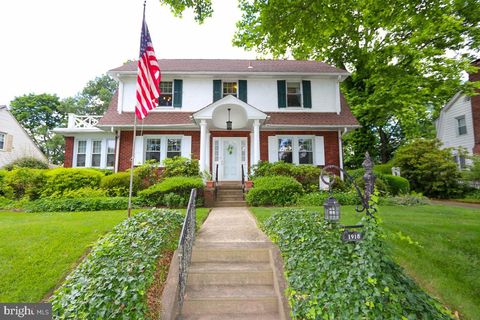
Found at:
[229, 123]
[332, 209]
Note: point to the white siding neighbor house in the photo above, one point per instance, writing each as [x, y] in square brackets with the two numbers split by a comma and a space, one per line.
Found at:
[14, 141]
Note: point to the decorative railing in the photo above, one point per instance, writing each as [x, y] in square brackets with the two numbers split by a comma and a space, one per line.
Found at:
[185, 246]
[76, 121]
[243, 178]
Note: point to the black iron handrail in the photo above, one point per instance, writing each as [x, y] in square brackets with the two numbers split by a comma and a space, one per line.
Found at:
[243, 178]
[185, 246]
[216, 173]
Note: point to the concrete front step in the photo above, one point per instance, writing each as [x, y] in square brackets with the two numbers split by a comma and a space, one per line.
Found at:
[234, 204]
[230, 197]
[229, 316]
[219, 254]
[235, 305]
[229, 266]
[229, 277]
[229, 292]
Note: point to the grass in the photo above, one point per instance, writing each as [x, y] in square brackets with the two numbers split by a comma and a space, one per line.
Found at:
[37, 250]
[439, 246]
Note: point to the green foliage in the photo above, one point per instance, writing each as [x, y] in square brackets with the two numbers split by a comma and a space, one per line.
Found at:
[473, 174]
[407, 200]
[318, 198]
[77, 204]
[385, 168]
[201, 8]
[396, 185]
[330, 279]
[274, 190]
[307, 175]
[429, 169]
[87, 192]
[26, 162]
[62, 179]
[112, 282]
[474, 194]
[157, 194]
[38, 115]
[399, 57]
[118, 184]
[23, 182]
[181, 166]
[380, 184]
[148, 174]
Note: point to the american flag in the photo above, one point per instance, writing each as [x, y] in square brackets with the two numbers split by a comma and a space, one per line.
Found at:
[148, 78]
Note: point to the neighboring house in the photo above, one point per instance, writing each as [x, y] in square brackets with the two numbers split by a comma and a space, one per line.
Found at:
[14, 141]
[279, 110]
[458, 125]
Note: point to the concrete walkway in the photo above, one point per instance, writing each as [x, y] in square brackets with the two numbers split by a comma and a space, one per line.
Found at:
[236, 272]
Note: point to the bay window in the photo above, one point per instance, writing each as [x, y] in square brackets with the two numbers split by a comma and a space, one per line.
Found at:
[94, 153]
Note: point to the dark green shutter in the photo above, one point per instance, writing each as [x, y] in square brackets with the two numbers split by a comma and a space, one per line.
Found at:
[217, 90]
[242, 90]
[177, 93]
[282, 93]
[307, 94]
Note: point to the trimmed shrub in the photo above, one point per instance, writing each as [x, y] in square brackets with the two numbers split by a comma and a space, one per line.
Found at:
[84, 193]
[380, 185]
[307, 175]
[274, 190]
[181, 167]
[26, 162]
[318, 198]
[405, 200]
[474, 195]
[148, 174]
[396, 185]
[384, 168]
[24, 182]
[62, 179]
[118, 184]
[181, 186]
[329, 279]
[113, 281]
[77, 204]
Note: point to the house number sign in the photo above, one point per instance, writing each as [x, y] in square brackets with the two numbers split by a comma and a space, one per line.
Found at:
[352, 236]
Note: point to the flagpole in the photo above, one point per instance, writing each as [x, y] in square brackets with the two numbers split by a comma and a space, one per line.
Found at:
[131, 165]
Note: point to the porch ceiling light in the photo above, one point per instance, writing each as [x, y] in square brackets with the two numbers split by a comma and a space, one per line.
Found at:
[229, 123]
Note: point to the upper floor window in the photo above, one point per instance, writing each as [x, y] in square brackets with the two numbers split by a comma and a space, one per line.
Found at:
[294, 94]
[230, 88]
[461, 125]
[2, 141]
[166, 94]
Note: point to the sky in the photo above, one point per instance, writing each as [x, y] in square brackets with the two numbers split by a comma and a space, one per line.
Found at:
[57, 46]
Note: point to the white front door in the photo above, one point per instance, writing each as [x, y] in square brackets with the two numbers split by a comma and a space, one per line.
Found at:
[230, 154]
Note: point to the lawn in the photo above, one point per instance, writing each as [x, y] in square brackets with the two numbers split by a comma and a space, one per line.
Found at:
[37, 250]
[439, 246]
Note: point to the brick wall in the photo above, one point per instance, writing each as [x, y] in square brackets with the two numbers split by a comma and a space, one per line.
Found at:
[476, 111]
[330, 143]
[126, 138]
[69, 143]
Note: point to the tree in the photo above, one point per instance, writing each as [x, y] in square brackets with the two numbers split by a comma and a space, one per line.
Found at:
[94, 99]
[39, 114]
[202, 8]
[399, 54]
[430, 169]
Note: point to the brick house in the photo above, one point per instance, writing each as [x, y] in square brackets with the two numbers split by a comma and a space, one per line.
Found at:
[459, 122]
[228, 114]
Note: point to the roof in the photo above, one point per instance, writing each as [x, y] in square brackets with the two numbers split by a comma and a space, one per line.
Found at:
[345, 118]
[237, 66]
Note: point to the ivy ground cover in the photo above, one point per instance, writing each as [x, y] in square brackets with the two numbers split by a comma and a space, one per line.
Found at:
[37, 250]
[439, 246]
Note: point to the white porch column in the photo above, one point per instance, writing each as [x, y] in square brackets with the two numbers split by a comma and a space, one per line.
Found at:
[256, 142]
[203, 145]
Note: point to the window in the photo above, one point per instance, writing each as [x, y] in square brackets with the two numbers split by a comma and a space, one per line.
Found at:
[174, 148]
[166, 91]
[2, 141]
[229, 88]
[462, 125]
[81, 153]
[285, 150]
[294, 94]
[153, 149]
[305, 151]
[110, 153]
[96, 153]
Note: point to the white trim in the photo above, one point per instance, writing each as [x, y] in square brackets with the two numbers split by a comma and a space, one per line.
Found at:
[120, 97]
[163, 145]
[273, 148]
[89, 150]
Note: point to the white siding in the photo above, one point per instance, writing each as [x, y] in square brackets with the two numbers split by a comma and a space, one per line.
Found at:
[447, 125]
[261, 93]
[19, 143]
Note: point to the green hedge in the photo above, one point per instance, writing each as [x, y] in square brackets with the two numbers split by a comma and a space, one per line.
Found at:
[307, 175]
[318, 198]
[112, 282]
[23, 182]
[118, 184]
[396, 185]
[274, 190]
[26, 162]
[160, 194]
[330, 279]
[62, 179]
[78, 204]
[181, 167]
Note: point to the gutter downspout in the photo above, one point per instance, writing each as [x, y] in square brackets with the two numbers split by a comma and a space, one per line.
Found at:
[117, 149]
